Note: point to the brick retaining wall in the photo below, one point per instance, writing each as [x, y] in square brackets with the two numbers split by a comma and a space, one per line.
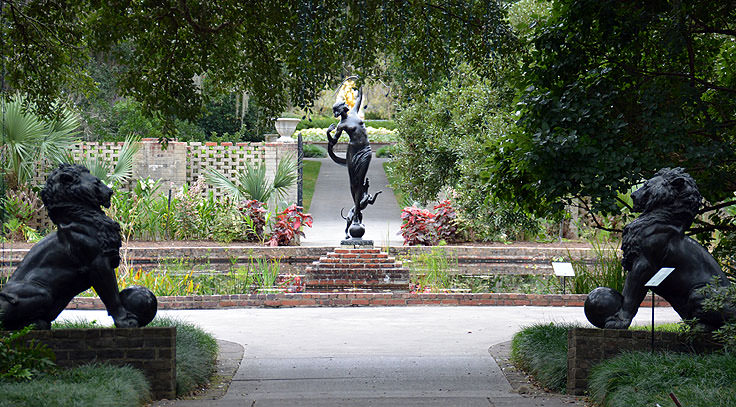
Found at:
[587, 347]
[472, 260]
[291, 300]
[151, 350]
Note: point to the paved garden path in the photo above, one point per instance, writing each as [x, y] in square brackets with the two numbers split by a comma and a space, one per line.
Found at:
[384, 356]
[332, 192]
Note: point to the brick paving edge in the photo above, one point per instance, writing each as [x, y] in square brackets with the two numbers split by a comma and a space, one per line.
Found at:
[338, 299]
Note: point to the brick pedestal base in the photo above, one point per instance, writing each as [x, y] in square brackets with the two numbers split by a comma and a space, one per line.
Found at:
[356, 269]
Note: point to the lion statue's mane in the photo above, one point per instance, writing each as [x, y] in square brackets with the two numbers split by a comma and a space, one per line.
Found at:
[671, 197]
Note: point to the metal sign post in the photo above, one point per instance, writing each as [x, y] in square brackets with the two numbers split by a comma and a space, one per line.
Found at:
[563, 270]
[653, 283]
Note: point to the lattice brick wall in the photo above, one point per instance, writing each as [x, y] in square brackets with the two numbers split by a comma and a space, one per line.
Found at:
[227, 158]
[108, 151]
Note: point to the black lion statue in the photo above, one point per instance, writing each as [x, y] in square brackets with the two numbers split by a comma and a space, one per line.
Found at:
[668, 203]
[82, 253]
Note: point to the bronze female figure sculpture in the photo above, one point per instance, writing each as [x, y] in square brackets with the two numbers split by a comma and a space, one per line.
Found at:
[357, 159]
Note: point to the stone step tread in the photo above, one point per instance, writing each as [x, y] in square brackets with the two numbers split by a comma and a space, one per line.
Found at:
[357, 251]
[356, 284]
[350, 260]
[370, 276]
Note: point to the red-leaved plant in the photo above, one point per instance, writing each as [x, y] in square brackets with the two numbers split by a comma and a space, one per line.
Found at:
[256, 213]
[418, 227]
[288, 226]
[445, 220]
[422, 227]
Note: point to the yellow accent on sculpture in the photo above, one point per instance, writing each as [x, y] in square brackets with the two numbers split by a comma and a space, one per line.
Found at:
[347, 93]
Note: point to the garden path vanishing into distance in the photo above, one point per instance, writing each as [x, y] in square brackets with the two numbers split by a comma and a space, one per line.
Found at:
[372, 356]
[382, 220]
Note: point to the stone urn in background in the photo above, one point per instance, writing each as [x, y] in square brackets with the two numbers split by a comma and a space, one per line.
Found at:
[286, 126]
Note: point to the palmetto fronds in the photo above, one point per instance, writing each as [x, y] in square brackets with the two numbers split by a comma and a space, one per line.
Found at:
[29, 140]
[253, 182]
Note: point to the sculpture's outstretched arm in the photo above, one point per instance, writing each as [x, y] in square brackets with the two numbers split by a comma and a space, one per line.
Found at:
[331, 141]
[358, 102]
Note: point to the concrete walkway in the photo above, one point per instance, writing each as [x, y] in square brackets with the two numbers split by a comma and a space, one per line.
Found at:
[392, 356]
[332, 192]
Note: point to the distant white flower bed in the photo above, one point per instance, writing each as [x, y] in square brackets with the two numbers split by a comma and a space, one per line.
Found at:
[375, 135]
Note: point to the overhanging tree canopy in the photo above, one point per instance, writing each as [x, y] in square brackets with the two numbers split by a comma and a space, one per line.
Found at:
[614, 91]
[279, 51]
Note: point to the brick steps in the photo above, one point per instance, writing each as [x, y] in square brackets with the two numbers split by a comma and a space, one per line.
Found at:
[362, 269]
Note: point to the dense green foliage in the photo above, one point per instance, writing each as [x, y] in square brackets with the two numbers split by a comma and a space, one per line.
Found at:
[278, 52]
[314, 151]
[89, 385]
[645, 379]
[613, 91]
[541, 350]
[441, 144]
[21, 360]
[253, 183]
[28, 139]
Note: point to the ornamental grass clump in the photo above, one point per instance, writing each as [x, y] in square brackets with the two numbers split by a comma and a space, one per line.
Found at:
[88, 385]
[646, 379]
[541, 351]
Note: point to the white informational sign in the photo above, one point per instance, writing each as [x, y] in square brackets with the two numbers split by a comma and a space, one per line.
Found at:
[657, 279]
[563, 269]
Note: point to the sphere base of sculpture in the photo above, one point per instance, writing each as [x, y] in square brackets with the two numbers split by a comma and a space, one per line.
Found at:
[356, 230]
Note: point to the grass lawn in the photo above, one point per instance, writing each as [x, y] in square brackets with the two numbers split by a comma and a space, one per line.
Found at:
[645, 379]
[309, 179]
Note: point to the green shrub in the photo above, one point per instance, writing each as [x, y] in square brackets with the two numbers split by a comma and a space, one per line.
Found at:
[380, 124]
[385, 152]
[89, 385]
[541, 351]
[314, 151]
[316, 122]
[375, 135]
[646, 379]
[23, 361]
[196, 354]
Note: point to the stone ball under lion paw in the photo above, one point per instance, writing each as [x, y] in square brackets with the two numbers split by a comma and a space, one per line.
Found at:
[602, 303]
